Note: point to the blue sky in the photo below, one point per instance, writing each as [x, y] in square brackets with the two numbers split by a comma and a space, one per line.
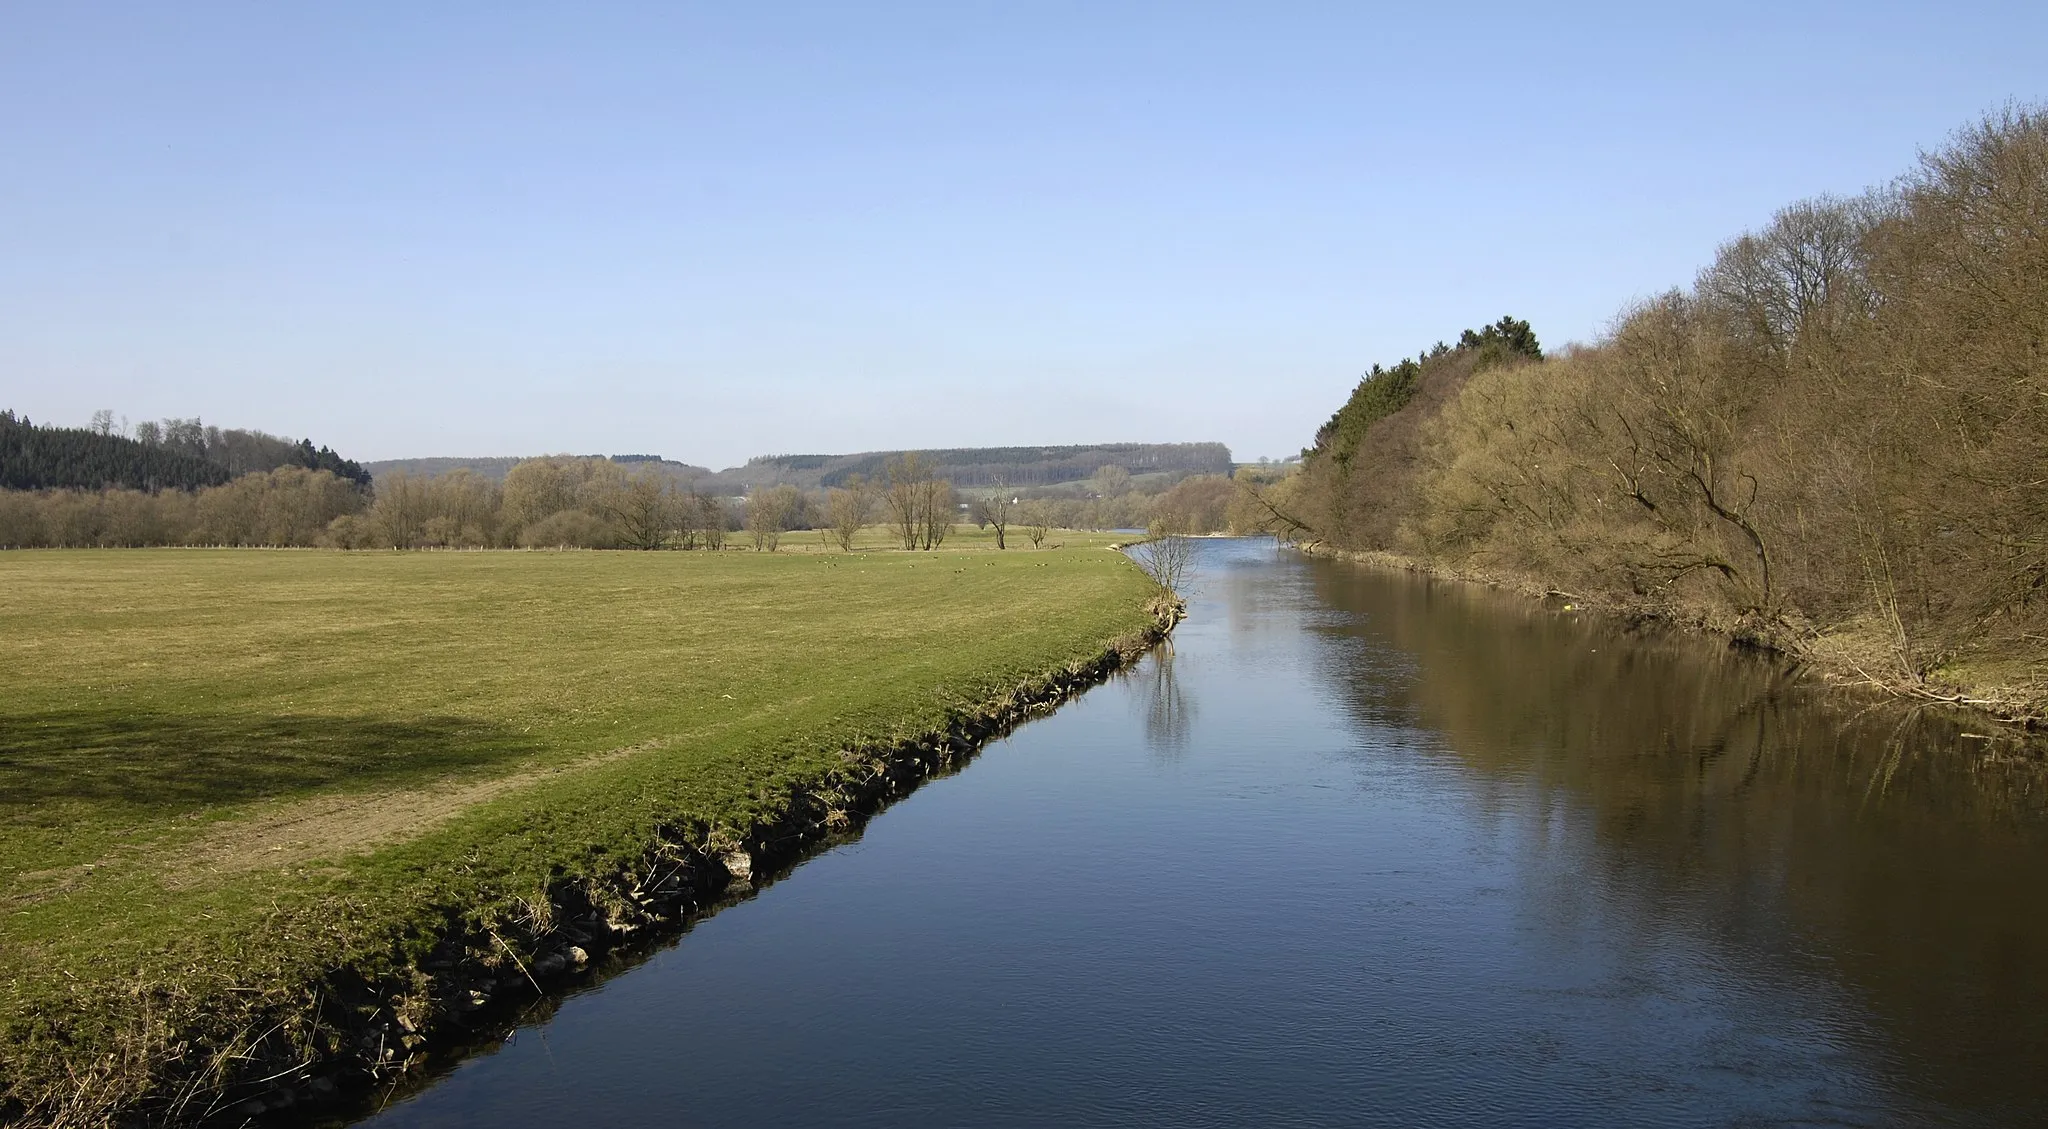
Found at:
[710, 232]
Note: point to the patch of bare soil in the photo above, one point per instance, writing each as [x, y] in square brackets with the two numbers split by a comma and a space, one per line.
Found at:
[327, 827]
[291, 834]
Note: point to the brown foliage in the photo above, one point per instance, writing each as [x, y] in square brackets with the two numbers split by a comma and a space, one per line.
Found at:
[1840, 431]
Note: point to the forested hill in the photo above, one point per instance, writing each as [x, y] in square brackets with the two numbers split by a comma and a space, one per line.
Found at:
[1834, 441]
[962, 466]
[494, 468]
[174, 454]
[990, 466]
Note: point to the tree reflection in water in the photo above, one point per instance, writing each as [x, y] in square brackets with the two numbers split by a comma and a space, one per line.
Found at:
[1895, 850]
[1169, 712]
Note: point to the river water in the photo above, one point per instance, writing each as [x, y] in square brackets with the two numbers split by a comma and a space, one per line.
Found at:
[1364, 849]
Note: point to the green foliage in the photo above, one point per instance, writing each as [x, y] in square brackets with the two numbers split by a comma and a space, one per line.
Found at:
[1386, 391]
[1382, 393]
[1505, 339]
[323, 458]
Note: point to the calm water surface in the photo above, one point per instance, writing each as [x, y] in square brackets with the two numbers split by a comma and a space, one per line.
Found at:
[1368, 850]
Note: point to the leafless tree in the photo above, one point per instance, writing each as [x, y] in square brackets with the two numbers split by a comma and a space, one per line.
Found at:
[938, 506]
[908, 493]
[713, 521]
[1167, 556]
[1037, 516]
[847, 508]
[768, 513]
[997, 509]
[644, 509]
[400, 512]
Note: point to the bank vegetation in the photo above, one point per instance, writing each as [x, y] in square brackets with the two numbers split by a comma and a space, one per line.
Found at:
[1834, 442]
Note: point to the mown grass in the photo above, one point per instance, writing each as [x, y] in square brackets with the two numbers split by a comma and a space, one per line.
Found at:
[224, 771]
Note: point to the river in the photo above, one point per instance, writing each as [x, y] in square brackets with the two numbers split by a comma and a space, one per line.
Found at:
[1367, 849]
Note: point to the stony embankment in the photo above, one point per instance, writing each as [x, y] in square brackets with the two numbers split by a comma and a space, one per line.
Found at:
[1838, 658]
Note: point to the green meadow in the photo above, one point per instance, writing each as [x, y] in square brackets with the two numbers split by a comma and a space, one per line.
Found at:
[227, 772]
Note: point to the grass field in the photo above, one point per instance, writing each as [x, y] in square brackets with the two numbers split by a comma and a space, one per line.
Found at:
[225, 771]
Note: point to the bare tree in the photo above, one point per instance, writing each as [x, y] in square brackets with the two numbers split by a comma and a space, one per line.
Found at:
[846, 510]
[1167, 556]
[997, 509]
[712, 521]
[537, 489]
[400, 512]
[768, 511]
[938, 506]
[1780, 286]
[1037, 517]
[644, 509]
[103, 421]
[910, 480]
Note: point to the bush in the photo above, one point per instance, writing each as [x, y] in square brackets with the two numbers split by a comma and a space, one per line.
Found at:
[569, 529]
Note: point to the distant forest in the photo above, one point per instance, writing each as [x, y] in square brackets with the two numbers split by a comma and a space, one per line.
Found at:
[967, 467]
[1010, 466]
[175, 482]
[1835, 441]
[174, 454]
[182, 483]
[495, 468]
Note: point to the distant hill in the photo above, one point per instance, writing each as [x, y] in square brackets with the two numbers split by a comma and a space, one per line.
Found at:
[495, 467]
[963, 466]
[988, 466]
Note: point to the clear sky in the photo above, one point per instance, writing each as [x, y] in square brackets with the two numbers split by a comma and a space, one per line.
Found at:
[715, 231]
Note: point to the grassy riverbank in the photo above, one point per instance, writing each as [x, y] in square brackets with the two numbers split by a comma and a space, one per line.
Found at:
[226, 774]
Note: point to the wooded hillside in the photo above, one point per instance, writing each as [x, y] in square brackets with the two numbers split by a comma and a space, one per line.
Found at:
[1835, 441]
[963, 466]
[178, 482]
[174, 454]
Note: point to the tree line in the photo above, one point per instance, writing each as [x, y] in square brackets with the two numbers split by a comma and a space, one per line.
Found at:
[599, 503]
[290, 505]
[1835, 440]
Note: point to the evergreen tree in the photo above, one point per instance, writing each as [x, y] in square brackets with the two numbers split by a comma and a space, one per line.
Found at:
[45, 458]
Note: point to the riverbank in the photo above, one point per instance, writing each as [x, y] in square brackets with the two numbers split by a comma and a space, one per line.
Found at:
[1852, 658]
[282, 825]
